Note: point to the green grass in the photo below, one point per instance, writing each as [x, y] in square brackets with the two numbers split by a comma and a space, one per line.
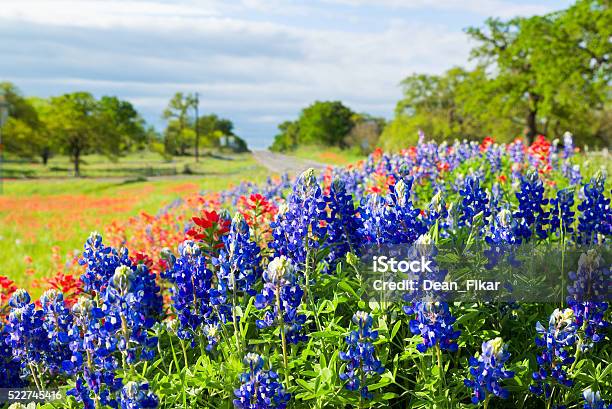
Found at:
[141, 164]
[330, 155]
[38, 214]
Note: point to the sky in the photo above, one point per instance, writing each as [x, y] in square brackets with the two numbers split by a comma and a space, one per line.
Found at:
[256, 62]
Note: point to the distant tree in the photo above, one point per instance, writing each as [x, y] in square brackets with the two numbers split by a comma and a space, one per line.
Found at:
[74, 122]
[179, 133]
[325, 123]
[287, 138]
[552, 70]
[121, 125]
[24, 133]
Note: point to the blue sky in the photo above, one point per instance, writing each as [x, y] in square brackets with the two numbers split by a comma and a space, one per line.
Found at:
[257, 62]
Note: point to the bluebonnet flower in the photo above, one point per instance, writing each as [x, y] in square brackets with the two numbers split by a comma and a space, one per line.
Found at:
[238, 261]
[437, 211]
[474, 201]
[378, 220]
[27, 336]
[137, 395]
[283, 294]
[10, 369]
[568, 145]
[434, 323]
[561, 211]
[131, 303]
[343, 224]
[588, 291]
[407, 223]
[362, 363]
[92, 360]
[592, 400]
[516, 151]
[259, 389]
[57, 323]
[501, 238]
[298, 227]
[100, 263]
[531, 216]
[556, 342]
[494, 157]
[488, 371]
[596, 217]
[191, 281]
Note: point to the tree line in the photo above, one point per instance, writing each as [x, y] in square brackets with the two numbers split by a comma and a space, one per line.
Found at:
[77, 124]
[533, 75]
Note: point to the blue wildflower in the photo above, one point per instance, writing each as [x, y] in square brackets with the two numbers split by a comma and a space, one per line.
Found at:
[343, 224]
[281, 297]
[531, 216]
[596, 217]
[191, 281]
[474, 201]
[137, 395]
[259, 389]
[592, 400]
[297, 229]
[434, 323]
[561, 214]
[488, 371]
[360, 356]
[556, 342]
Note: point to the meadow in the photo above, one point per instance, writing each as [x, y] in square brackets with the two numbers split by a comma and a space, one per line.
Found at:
[258, 295]
[45, 212]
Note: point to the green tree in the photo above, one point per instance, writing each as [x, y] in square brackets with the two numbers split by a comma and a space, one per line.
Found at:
[24, 133]
[552, 71]
[122, 126]
[74, 122]
[325, 123]
[287, 138]
[179, 134]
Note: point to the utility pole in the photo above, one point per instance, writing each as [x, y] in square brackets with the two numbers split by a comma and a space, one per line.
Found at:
[3, 117]
[197, 128]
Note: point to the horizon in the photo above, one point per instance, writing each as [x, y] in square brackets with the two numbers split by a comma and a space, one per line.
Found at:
[256, 63]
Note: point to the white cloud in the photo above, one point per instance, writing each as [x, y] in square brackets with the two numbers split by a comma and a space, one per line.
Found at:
[248, 63]
[500, 8]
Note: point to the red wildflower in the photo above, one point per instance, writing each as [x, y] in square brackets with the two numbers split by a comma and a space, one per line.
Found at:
[209, 229]
[486, 143]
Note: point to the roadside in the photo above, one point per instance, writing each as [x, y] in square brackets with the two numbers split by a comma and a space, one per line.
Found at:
[280, 163]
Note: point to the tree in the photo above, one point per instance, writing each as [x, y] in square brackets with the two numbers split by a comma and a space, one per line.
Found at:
[122, 126]
[24, 132]
[74, 121]
[287, 138]
[178, 134]
[325, 123]
[552, 70]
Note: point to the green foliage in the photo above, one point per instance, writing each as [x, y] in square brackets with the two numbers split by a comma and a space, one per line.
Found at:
[534, 75]
[326, 123]
[329, 123]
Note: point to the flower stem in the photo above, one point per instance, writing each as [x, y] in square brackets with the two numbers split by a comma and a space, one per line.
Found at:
[283, 337]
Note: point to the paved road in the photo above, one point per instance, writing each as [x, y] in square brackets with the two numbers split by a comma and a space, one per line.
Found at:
[279, 163]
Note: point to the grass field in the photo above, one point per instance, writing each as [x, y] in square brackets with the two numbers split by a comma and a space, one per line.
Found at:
[55, 211]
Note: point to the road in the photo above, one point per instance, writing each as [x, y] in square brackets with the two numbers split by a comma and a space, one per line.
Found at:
[279, 163]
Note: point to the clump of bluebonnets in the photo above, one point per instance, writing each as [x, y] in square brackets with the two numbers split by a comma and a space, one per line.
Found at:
[434, 323]
[488, 371]
[259, 389]
[556, 343]
[361, 361]
[281, 298]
